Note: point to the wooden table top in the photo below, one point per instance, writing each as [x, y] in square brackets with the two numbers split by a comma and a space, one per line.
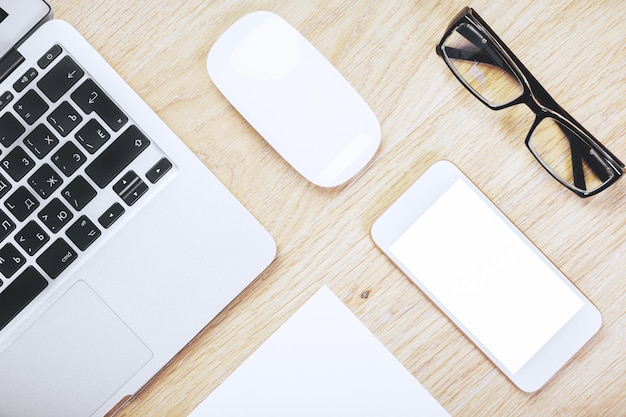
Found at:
[386, 50]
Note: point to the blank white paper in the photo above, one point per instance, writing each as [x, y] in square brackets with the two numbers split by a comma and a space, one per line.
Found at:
[322, 362]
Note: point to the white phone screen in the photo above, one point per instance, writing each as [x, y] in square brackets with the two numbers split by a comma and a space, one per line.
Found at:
[486, 277]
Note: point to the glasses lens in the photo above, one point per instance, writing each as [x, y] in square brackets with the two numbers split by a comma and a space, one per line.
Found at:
[475, 60]
[568, 157]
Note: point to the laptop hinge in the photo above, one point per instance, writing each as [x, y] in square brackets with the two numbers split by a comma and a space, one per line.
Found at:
[9, 62]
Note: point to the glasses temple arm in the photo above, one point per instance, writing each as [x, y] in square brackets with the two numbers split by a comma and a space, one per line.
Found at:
[483, 53]
[577, 164]
[582, 151]
[472, 55]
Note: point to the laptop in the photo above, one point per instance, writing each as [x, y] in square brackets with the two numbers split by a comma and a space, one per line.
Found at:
[117, 245]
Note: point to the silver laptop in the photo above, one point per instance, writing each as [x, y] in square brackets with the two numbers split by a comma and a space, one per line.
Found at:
[117, 246]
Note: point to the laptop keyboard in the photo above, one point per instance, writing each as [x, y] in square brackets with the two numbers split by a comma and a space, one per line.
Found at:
[68, 172]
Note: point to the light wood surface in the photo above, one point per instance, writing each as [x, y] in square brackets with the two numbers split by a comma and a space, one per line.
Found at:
[386, 49]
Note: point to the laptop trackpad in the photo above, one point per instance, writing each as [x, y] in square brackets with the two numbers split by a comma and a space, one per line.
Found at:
[78, 355]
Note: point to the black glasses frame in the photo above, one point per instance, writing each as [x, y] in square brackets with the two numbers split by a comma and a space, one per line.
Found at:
[534, 95]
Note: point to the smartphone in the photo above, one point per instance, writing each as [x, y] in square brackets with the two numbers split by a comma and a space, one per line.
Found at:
[483, 273]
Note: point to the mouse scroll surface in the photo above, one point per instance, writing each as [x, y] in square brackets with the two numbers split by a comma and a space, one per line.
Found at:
[293, 97]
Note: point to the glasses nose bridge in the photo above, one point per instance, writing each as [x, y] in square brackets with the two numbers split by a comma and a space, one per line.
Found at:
[531, 102]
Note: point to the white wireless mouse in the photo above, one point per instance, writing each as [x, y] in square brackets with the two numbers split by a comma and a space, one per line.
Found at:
[289, 92]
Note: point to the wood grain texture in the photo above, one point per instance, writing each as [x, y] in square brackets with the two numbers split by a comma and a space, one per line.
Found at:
[577, 49]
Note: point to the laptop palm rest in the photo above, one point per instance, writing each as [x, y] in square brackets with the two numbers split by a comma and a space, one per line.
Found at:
[98, 351]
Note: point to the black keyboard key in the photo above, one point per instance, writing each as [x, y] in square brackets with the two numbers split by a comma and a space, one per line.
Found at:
[56, 258]
[19, 293]
[55, 215]
[92, 136]
[68, 158]
[10, 129]
[130, 188]
[10, 61]
[31, 238]
[158, 170]
[111, 215]
[60, 78]
[6, 225]
[10, 260]
[78, 193]
[17, 163]
[5, 186]
[83, 233]
[49, 57]
[45, 181]
[21, 203]
[125, 182]
[90, 98]
[117, 156]
[41, 141]
[30, 107]
[5, 99]
[25, 79]
[64, 118]
[133, 195]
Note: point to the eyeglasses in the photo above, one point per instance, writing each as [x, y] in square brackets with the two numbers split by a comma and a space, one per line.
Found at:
[492, 73]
